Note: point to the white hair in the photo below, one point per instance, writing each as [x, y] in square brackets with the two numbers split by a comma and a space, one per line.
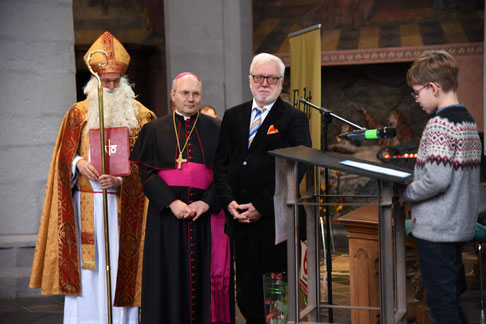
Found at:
[119, 107]
[264, 58]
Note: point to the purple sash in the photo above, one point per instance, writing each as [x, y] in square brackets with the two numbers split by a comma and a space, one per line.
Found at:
[196, 175]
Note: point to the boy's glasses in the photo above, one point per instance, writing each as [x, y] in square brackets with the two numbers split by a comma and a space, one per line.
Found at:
[415, 94]
[272, 80]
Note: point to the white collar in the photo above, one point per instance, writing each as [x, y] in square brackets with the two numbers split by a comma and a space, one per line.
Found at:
[185, 117]
[267, 107]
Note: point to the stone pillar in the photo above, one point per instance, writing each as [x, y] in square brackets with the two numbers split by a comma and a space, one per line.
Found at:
[37, 86]
[213, 39]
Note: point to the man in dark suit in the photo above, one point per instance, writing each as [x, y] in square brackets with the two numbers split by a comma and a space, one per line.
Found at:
[244, 177]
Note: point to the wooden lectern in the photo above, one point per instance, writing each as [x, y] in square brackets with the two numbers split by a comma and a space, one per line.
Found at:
[392, 276]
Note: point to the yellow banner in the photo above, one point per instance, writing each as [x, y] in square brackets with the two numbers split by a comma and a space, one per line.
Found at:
[305, 78]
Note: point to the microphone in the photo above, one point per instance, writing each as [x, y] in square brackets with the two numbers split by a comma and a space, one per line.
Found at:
[365, 134]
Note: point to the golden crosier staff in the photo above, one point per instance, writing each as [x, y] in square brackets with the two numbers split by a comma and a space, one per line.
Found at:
[103, 170]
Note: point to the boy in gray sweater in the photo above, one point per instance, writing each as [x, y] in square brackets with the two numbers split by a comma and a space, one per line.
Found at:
[445, 190]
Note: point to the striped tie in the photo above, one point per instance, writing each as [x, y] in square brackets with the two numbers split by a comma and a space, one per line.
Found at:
[255, 124]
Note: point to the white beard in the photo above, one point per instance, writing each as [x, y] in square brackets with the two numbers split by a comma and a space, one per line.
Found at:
[119, 108]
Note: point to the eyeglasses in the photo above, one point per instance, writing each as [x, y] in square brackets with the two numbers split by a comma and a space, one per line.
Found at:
[272, 80]
[415, 94]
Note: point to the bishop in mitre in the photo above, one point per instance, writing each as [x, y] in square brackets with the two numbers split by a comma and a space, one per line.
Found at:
[70, 252]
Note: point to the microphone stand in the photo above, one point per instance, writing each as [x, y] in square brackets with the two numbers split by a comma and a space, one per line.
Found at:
[328, 115]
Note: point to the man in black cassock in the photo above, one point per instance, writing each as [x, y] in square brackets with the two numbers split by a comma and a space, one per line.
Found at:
[186, 268]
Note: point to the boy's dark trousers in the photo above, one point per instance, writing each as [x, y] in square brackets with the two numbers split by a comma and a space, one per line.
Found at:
[443, 278]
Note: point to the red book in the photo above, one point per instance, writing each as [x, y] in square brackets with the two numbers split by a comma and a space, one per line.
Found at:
[117, 150]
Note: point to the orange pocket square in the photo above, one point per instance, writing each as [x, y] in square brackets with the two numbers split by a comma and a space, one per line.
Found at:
[272, 130]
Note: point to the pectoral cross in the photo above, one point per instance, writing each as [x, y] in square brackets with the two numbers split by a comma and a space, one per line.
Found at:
[180, 160]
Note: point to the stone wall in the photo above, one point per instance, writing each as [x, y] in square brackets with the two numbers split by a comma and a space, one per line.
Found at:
[380, 88]
[37, 86]
[211, 38]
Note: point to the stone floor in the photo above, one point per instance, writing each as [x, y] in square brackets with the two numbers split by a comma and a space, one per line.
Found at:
[49, 310]
[42, 310]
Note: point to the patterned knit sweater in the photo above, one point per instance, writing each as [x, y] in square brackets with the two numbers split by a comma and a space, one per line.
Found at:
[445, 190]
